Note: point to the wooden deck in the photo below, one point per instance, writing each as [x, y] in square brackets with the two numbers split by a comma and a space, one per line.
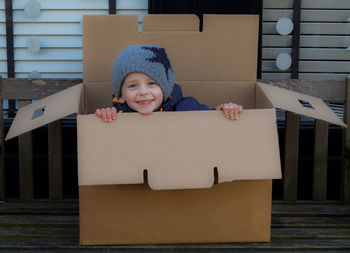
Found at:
[54, 227]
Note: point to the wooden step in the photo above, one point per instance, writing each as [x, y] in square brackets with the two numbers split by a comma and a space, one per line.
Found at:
[54, 227]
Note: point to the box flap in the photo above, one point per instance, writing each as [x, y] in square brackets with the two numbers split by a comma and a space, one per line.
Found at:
[241, 150]
[174, 22]
[195, 56]
[300, 103]
[46, 110]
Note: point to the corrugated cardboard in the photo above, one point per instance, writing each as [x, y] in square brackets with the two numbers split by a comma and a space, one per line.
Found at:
[150, 179]
[54, 107]
[129, 214]
[171, 159]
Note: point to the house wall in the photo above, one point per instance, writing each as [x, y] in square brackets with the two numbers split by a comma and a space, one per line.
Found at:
[325, 37]
[59, 30]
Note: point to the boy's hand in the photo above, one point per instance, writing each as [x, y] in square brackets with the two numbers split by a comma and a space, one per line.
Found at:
[231, 110]
[107, 114]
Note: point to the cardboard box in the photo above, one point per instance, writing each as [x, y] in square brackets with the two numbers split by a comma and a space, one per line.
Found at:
[178, 154]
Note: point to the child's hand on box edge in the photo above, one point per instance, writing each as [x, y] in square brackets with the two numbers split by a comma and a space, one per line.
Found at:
[231, 110]
[107, 114]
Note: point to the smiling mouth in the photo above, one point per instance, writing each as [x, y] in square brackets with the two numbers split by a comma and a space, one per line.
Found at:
[144, 102]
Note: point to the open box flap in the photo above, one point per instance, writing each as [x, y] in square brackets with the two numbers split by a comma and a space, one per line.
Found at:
[300, 103]
[124, 148]
[46, 110]
[194, 55]
[166, 22]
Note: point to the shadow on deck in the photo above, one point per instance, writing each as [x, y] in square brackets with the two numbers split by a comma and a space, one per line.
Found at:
[54, 227]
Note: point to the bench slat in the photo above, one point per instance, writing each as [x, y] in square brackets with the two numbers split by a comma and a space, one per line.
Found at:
[55, 160]
[2, 146]
[346, 147]
[328, 90]
[290, 182]
[320, 161]
[14, 88]
[25, 151]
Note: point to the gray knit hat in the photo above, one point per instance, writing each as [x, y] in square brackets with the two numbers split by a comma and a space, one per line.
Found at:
[149, 59]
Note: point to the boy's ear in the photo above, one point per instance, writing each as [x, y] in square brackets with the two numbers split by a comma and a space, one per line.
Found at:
[121, 100]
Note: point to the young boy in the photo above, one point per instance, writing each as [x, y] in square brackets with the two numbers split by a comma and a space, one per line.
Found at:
[143, 82]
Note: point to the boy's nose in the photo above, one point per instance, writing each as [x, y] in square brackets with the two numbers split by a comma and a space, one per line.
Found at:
[143, 90]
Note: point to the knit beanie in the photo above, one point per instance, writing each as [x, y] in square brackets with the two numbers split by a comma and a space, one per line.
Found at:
[149, 59]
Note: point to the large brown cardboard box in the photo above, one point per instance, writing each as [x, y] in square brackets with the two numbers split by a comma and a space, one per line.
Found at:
[176, 177]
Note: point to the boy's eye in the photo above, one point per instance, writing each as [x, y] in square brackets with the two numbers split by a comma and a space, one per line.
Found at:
[152, 83]
[132, 85]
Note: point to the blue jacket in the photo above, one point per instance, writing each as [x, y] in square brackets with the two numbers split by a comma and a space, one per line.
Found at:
[175, 102]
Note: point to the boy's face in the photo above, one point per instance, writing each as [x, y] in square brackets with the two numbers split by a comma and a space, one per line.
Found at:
[141, 93]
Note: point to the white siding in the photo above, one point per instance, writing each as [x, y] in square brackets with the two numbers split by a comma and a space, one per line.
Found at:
[325, 36]
[59, 30]
[324, 40]
[3, 57]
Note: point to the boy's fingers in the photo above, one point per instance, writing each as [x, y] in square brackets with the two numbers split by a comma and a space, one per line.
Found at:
[109, 114]
[226, 111]
[231, 110]
[98, 113]
[114, 113]
[236, 113]
[220, 107]
[104, 114]
[237, 109]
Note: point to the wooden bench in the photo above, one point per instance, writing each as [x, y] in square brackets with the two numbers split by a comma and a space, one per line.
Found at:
[26, 90]
[41, 225]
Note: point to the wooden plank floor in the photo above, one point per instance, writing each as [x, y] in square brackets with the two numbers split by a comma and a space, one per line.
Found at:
[54, 227]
